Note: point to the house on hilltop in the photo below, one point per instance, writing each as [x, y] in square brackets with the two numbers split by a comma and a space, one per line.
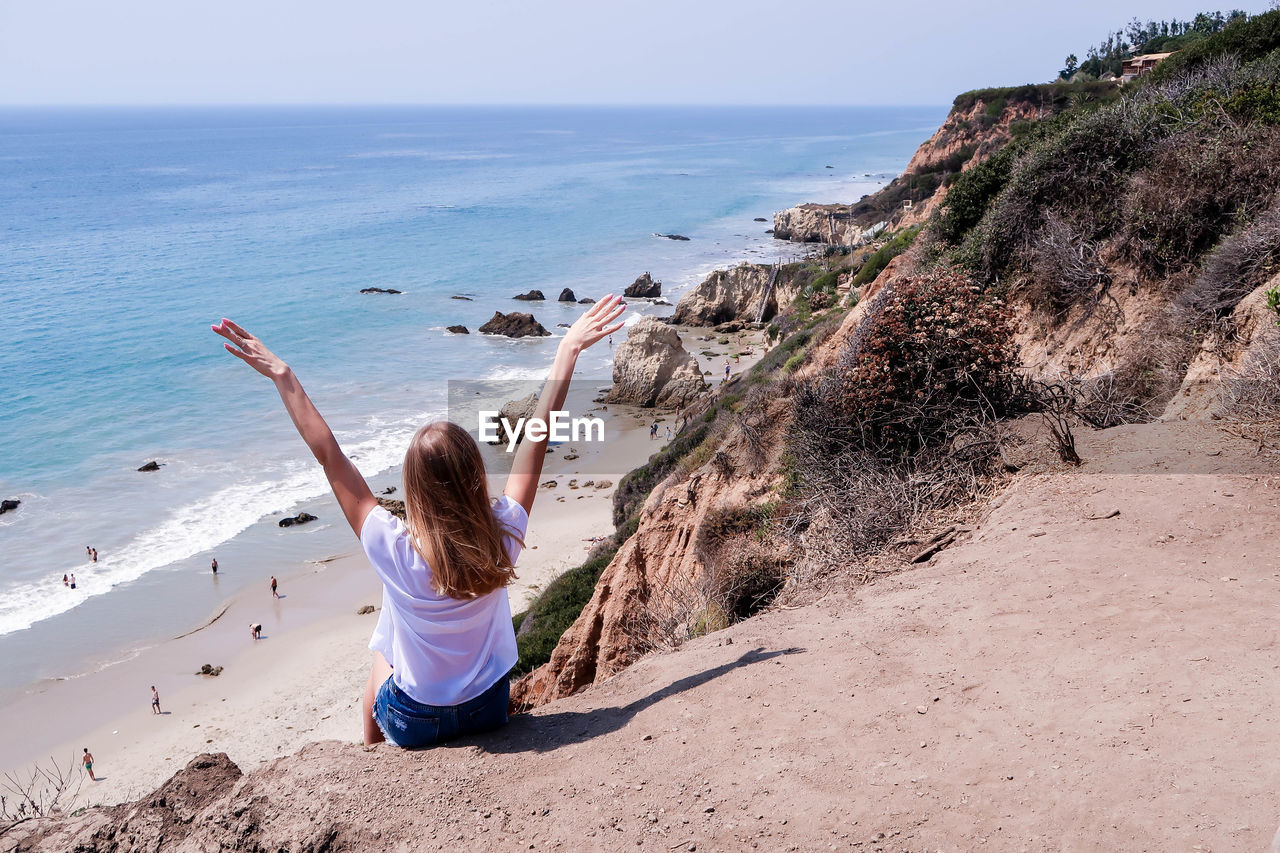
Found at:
[1136, 66]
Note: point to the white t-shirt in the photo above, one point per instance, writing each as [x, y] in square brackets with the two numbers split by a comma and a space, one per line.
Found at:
[444, 650]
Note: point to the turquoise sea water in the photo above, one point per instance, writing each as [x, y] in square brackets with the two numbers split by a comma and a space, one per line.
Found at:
[125, 233]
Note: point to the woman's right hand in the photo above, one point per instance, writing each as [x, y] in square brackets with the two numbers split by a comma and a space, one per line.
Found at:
[250, 350]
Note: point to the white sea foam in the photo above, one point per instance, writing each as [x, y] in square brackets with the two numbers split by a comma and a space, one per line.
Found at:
[201, 525]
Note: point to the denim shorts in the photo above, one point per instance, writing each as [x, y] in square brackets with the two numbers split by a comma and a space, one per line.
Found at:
[413, 725]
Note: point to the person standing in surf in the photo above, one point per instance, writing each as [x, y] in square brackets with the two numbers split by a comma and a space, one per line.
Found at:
[444, 643]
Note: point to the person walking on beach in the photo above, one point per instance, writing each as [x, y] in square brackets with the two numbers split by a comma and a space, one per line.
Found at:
[726, 370]
[668, 433]
[155, 700]
[653, 430]
[444, 643]
[274, 585]
[87, 761]
[255, 630]
[214, 565]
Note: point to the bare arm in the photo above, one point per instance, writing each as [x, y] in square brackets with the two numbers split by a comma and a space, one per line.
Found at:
[596, 324]
[352, 492]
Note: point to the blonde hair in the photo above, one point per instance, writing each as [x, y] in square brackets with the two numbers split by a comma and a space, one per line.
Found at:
[450, 516]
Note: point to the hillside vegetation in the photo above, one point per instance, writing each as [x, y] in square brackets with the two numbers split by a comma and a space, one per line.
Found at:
[1079, 252]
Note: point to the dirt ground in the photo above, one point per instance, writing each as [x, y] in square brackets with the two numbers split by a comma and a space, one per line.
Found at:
[1094, 667]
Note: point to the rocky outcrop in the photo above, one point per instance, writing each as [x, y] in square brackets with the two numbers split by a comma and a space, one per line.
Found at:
[652, 368]
[657, 566]
[8, 504]
[393, 506]
[300, 518]
[514, 410]
[153, 465]
[816, 223]
[566, 295]
[458, 330]
[379, 290]
[513, 325]
[736, 294]
[531, 296]
[644, 288]
[586, 300]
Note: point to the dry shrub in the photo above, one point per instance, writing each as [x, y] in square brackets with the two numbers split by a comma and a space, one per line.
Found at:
[1202, 183]
[1240, 264]
[1251, 394]
[1066, 268]
[932, 351]
[905, 423]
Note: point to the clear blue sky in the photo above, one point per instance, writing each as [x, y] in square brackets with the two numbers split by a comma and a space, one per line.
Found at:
[554, 51]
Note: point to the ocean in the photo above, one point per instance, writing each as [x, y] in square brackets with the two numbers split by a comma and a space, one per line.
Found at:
[127, 232]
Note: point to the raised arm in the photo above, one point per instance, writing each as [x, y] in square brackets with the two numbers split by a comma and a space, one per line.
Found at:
[596, 324]
[352, 492]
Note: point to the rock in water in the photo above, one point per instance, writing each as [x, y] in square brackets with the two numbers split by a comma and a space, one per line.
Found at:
[644, 288]
[8, 504]
[379, 290]
[759, 219]
[652, 368]
[153, 465]
[679, 237]
[586, 300]
[300, 518]
[513, 325]
[463, 298]
[531, 296]
[457, 330]
[566, 295]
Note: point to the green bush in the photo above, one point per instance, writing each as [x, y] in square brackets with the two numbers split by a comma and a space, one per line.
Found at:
[1245, 40]
[875, 264]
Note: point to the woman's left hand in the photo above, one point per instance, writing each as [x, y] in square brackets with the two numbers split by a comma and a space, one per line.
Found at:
[251, 351]
[596, 324]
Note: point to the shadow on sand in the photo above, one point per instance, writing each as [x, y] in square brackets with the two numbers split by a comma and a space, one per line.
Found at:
[545, 732]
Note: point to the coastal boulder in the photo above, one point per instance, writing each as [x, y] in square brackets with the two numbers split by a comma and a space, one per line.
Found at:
[652, 368]
[566, 295]
[379, 290]
[300, 518]
[586, 300]
[393, 506]
[644, 288]
[153, 465]
[8, 504]
[457, 330]
[531, 296]
[816, 223]
[514, 410]
[514, 325]
[735, 295]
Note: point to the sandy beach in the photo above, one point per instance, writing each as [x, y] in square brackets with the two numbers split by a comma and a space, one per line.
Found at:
[301, 682]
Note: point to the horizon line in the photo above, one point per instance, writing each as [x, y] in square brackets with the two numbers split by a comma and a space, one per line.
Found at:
[440, 104]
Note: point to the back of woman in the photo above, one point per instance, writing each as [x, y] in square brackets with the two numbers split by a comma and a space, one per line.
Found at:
[444, 644]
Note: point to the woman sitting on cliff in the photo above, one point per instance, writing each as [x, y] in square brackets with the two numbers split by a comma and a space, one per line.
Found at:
[444, 642]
